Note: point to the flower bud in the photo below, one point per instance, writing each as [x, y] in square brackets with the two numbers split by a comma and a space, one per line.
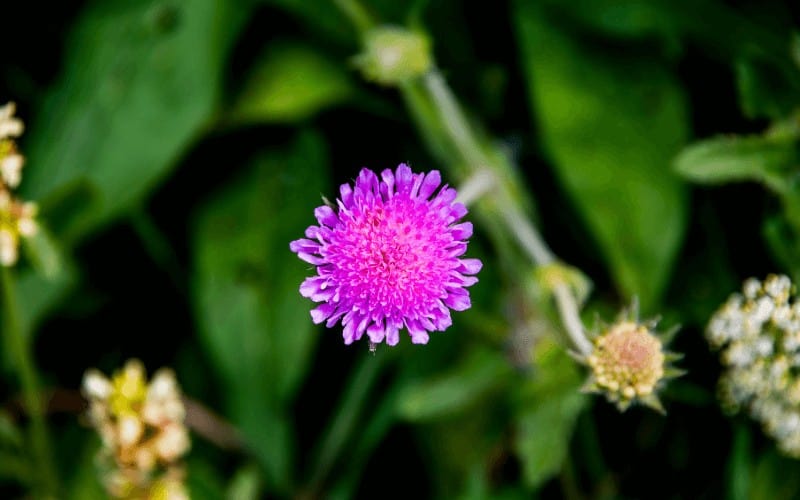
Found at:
[629, 364]
[393, 55]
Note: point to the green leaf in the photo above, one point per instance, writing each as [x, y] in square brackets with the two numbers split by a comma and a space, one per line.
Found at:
[764, 92]
[739, 465]
[245, 484]
[610, 123]
[289, 83]
[252, 321]
[782, 241]
[42, 288]
[730, 159]
[549, 403]
[15, 468]
[10, 434]
[203, 480]
[321, 16]
[769, 479]
[454, 391]
[124, 110]
[84, 484]
[37, 295]
[624, 18]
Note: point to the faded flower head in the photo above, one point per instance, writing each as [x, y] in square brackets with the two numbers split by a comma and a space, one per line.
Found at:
[389, 257]
[17, 218]
[758, 334]
[141, 426]
[628, 363]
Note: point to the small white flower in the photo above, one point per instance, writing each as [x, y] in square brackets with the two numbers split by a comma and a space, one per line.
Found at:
[130, 430]
[8, 248]
[759, 337]
[10, 126]
[172, 442]
[96, 385]
[11, 169]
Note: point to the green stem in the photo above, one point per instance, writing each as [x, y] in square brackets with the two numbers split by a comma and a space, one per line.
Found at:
[361, 381]
[382, 417]
[20, 349]
[356, 13]
[436, 111]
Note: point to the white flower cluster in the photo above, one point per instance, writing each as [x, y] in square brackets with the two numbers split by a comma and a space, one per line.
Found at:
[758, 333]
[142, 429]
[17, 219]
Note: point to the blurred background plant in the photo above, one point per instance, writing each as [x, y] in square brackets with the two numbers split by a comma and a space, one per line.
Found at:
[175, 147]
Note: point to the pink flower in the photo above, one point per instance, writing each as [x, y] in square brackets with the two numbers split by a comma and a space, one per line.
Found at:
[389, 257]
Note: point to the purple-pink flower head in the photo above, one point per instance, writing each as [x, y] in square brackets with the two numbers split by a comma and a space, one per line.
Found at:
[389, 257]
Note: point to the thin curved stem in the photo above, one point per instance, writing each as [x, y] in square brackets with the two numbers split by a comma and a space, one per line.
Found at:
[455, 124]
[568, 309]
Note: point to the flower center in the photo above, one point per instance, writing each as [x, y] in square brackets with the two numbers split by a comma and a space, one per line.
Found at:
[393, 252]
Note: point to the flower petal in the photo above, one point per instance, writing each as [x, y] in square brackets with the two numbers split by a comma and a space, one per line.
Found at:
[458, 300]
[462, 231]
[469, 266]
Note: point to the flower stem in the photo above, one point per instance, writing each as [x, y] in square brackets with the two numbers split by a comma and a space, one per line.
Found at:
[450, 136]
[363, 378]
[20, 349]
[507, 201]
[356, 13]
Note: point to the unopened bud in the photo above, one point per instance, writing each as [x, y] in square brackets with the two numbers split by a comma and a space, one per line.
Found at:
[393, 55]
[629, 364]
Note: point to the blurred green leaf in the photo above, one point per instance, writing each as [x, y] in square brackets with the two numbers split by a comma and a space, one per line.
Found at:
[203, 480]
[729, 159]
[478, 487]
[782, 241]
[764, 92]
[45, 254]
[739, 465]
[321, 16]
[610, 123]
[625, 18]
[289, 83]
[43, 287]
[85, 482]
[125, 109]
[252, 321]
[548, 407]
[245, 484]
[15, 468]
[455, 390]
[773, 477]
[37, 295]
[10, 434]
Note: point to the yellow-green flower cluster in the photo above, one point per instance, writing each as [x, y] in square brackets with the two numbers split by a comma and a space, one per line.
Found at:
[628, 363]
[17, 218]
[142, 429]
[758, 333]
